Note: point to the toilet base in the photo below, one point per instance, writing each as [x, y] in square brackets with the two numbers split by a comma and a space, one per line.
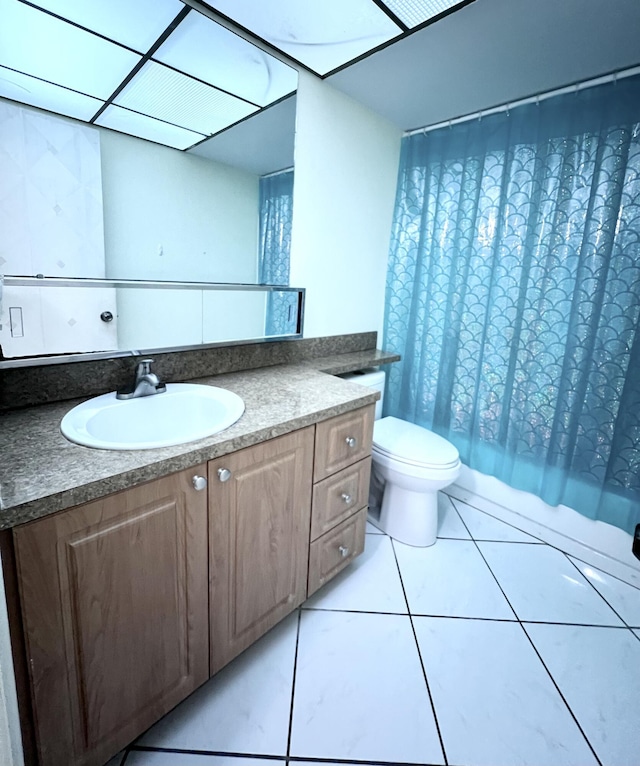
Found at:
[409, 517]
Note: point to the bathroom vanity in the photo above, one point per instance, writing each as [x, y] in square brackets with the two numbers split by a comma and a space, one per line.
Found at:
[141, 574]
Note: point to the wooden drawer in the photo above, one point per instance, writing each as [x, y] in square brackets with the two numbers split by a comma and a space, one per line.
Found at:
[342, 441]
[331, 553]
[338, 496]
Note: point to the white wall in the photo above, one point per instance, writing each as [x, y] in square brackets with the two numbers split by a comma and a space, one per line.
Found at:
[171, 215]
[346, 165]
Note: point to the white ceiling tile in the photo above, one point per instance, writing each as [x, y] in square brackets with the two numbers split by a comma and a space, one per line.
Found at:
[322, 35]
[212, 53]
[136, 23]
[160, 92]
[415, 12]
[29, 90]
[35, 43]
[141, 126]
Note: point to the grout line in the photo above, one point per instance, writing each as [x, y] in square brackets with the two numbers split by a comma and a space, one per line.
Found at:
[495, 518]
[308, 759]
[551, 545]
[424, 672]
[188, 751]
[619, 579]
[553, 681]
[584, 577]
[489, 540]
[293, 685]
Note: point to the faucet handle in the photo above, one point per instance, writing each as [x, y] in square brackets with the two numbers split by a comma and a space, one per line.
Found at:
[144, 367]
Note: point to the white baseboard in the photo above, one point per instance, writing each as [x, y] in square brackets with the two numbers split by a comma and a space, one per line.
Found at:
[602, 545]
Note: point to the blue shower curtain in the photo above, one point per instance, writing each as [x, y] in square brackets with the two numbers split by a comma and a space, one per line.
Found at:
[513, 295]
[276, 216]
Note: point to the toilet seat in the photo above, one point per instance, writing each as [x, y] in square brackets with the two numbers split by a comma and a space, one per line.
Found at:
[413, 445]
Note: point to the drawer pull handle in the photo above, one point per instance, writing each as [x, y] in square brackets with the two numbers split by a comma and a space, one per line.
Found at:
[199, 483]
[344, 551]
[351, 441]
[224, 474]
[347, 498]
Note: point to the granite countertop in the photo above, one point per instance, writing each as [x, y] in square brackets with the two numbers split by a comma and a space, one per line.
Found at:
[41, 472]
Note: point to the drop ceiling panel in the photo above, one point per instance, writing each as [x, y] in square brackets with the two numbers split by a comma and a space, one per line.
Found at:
[416, 12]
[171, 96]
[323, 34]
[139, 125]
[263, 144]
[37, 44]
[135, 23]
[29, 90]
[212, 53]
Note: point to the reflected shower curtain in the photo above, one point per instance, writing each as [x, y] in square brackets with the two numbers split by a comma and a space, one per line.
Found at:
[276, 215]
[513, 295]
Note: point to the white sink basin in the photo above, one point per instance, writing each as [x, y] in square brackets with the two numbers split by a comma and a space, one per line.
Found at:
[184, 413]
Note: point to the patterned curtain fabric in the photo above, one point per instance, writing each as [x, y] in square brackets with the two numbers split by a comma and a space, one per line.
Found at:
[276, 215]
[513, 295]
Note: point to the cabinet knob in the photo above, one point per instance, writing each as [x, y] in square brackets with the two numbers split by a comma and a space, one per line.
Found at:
[351, 441]
[199, 483]
[344, 551]
[346, 497]
[224, 474]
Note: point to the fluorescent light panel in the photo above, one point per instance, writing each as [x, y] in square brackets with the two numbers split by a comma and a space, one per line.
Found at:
[28, 90]
[415, 12]
[141, 126]
[36, 44]
[216, 55]
[135, 23]
[168, 95]
[323, 34]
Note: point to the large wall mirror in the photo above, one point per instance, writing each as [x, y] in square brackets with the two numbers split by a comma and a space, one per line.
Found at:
[91, 203]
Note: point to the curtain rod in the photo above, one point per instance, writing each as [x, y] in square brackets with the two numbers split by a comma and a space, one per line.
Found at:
[530, 100]
[277, 172]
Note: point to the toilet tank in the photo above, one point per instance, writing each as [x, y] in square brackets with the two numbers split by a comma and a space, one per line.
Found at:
[373, 379]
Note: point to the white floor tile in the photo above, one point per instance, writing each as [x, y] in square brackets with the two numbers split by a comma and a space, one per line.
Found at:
[450, 579]
[449, 523]
[625, 599]
[245, 708]
[371, 530]
[598, 672]
[360, 693]
[139, 758]
[485, 527]
[637, 632]
[116, 760]
[495, 703]
[370, 584]
[543, 585]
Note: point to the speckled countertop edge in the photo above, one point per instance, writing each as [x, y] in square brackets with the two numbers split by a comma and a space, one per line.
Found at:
[41, 472]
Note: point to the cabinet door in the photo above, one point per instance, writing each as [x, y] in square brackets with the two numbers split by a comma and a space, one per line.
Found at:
[115, 608]
[259, 517]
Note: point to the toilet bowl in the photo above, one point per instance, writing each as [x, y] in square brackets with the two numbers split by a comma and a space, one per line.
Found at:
[410, 464]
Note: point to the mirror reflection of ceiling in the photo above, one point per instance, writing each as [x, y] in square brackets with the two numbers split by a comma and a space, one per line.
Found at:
[155, 69]
[162, 71]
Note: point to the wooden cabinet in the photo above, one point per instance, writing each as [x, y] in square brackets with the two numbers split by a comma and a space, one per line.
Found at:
[342, 467]
[115, 612]
[260, 509]
[131, 602]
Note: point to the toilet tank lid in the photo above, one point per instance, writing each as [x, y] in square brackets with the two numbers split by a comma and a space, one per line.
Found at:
[412, 443]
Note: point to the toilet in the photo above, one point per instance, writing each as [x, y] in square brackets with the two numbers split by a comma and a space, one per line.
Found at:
[410, 464]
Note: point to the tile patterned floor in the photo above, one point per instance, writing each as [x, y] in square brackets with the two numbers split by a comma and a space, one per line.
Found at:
[490, 648]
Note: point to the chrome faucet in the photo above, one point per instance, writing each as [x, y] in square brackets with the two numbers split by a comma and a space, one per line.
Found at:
[146, 383]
